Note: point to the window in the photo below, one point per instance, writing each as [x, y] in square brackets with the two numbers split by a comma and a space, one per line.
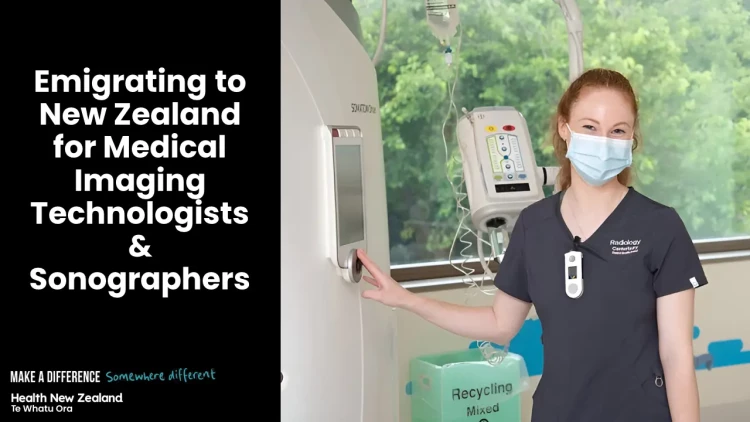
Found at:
[689, 61]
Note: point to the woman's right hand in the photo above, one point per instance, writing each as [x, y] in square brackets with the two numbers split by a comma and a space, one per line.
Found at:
[389, 292]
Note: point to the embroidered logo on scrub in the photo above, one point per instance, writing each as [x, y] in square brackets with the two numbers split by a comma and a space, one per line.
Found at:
[624, 247]
[694, 282]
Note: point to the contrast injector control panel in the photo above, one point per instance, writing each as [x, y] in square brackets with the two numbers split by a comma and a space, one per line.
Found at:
[507, 161]
[500, 170]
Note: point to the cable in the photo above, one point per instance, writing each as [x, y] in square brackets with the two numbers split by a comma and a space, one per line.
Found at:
[480, 253]
[381, 41]
[462, 212]
[492, 355]
[362, 355]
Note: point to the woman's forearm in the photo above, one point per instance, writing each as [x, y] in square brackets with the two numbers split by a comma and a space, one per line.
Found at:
[682, 387]
[478, 323]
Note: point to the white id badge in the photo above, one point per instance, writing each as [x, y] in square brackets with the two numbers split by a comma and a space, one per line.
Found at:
[574, 274]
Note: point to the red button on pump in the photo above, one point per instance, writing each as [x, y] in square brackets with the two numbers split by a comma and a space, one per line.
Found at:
[509, 128]
[335, 133]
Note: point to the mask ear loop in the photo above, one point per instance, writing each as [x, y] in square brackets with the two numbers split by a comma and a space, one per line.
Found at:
[570, 137]
[570, 131]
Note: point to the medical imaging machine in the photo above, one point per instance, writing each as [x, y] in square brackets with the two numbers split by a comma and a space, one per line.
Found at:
[338, 351]
[338, 356]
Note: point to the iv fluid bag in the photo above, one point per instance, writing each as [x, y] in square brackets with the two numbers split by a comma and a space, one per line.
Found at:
[442, 17]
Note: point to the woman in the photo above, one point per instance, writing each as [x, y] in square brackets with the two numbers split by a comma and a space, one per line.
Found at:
[622, 351]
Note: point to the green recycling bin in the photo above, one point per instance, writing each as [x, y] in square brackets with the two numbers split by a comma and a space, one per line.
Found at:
[464, 387]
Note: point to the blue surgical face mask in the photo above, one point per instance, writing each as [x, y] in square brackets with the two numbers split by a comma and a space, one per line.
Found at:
[598, 159]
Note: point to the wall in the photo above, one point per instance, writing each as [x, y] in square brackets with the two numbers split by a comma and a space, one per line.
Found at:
[722, 318]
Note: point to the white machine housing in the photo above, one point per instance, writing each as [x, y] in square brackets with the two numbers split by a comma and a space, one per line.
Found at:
[338, 351]
[499, 166]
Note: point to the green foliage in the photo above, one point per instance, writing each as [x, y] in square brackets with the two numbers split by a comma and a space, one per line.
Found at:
[689, 61]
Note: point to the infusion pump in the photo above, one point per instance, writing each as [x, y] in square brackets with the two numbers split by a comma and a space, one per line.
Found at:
[500, 170]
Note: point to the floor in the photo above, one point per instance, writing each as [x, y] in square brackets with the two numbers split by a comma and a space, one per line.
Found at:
[734, 412]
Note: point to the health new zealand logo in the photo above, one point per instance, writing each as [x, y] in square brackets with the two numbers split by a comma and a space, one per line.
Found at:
[624, 247]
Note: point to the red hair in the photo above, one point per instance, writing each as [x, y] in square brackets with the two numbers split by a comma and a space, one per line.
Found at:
[594, 78]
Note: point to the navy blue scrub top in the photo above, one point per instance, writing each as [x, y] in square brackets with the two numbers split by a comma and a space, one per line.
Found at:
[601, 351]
